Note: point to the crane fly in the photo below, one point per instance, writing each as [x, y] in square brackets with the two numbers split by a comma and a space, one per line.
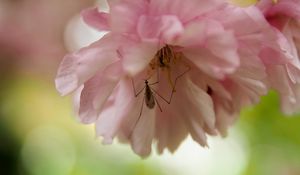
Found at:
[165, 59]
[150, 95]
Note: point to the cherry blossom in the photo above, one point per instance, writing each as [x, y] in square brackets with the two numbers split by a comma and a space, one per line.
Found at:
[169, 68]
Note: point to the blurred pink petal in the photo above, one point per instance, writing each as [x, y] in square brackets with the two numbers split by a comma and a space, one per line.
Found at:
[96, 19]
[97, 91]
[284, 16]
[78, 67]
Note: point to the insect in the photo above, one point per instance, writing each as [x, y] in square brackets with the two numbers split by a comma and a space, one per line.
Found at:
[150, 96]
[162, 60]
[165, 55]
[165, 59]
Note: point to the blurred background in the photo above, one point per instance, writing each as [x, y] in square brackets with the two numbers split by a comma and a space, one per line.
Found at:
[40, 136]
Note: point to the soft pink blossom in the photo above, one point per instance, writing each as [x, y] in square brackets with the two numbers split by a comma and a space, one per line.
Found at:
[284, 16]
[215, 69]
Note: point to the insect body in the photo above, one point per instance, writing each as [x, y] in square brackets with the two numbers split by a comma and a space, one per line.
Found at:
[149, 97]
[165, 60]
[165, 55]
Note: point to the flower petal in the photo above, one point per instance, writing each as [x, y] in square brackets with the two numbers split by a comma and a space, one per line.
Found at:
[195, 107]
[125, 14]
[97, 90]
[170, 130]
[137, 55]
[289, 8]
[113, 116]
[216, 54]
[224, 119]
[165, 28]
[185, 10]
[202, 103]
[143, 133]
[96, 19]
[78, 67]
[212, 65]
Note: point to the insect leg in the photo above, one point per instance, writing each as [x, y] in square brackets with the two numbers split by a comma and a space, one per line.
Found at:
[136, 122]
[173, 90]
[187, 70]
[167, 101]
[134, 91]
[157, 103]
[157, 78]
[170, 78]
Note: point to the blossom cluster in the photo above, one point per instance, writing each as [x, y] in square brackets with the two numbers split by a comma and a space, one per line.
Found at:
[166, 69]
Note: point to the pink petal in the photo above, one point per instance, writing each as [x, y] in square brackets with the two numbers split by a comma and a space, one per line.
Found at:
[195, 107]
[265, 5]
[224, 46]
[185, 10]
[170, 130]
[258, 87]
[251, 67]
[97, 90]
[143, 133]
[216, 51]
[290, 104]
[279, 79]
[197, 132]
[224, 119]
[193, 34]
[125, 13]
[96, 19]
[76, 100]
[209, 63]
[106, 122]
[202, 103]
[137, 55]
[165, 27]
[234, 18]
[112, 117]
[170, 124]
[78, 67]
[289, 8]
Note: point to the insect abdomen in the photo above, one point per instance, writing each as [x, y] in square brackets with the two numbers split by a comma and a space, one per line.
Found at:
[149, 99]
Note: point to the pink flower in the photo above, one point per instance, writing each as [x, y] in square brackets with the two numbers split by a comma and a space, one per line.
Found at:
[203, 56]
[284, 16]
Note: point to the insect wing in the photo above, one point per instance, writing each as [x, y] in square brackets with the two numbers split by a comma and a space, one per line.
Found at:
[149, 98]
